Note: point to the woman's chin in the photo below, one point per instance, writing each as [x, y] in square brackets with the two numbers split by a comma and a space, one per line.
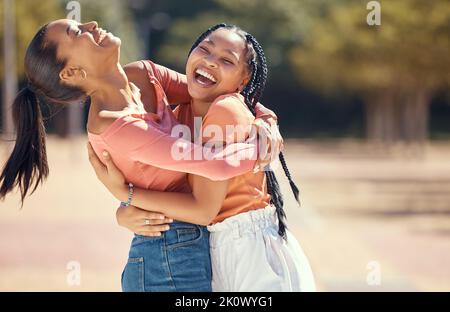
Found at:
[115, 44]
[117, 41]
[112, 42]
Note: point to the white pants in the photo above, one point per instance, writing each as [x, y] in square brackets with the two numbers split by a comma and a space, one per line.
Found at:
[247, 254]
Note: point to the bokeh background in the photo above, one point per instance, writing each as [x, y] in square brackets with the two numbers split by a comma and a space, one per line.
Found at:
[365, 111]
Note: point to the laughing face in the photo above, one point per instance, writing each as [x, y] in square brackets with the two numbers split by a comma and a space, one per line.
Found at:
[217, 66]
[84, 46]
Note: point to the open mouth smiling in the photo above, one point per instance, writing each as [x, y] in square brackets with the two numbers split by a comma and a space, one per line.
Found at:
[101, 36]
[204, 78]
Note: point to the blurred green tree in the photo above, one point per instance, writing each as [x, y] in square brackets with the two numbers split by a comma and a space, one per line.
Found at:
[396, 68]
[30, 15]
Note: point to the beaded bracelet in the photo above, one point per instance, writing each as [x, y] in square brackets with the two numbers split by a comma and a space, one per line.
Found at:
[130, 196]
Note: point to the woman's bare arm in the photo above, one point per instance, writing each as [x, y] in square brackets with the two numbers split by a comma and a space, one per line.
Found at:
[199, 207]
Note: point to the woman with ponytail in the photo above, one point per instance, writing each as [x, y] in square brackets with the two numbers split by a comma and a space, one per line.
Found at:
[27, 166]
[251, 248]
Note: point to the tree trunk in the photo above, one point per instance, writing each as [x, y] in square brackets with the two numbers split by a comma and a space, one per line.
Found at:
[380, 118]
[415, 121]
[398, 117]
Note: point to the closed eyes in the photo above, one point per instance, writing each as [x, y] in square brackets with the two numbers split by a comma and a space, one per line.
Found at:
[227, 62]
[204, 49]
[224, 60]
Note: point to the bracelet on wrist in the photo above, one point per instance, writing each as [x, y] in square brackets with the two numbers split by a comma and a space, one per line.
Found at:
[130, 196]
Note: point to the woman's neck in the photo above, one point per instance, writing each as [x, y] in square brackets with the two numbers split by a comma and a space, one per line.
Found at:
[200, 108]
[113, 92]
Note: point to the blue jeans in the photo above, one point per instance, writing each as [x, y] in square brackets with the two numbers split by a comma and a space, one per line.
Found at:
[176, 261]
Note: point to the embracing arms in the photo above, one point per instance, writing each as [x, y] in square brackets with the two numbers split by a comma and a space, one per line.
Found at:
[198, 207]
[201, 206]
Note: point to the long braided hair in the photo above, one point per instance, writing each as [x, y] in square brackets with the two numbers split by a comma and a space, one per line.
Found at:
[252, 92]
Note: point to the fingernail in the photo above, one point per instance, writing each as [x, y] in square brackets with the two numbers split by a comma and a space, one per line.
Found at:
[161, 217]
[105, 154]
[167, 228]
[170, 220]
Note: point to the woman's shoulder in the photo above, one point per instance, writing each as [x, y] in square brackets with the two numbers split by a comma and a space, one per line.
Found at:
[146, 69]
[142, 72]
[100, 123]
[229, 109]
[106, 121]
[232, 102]
[142, 67]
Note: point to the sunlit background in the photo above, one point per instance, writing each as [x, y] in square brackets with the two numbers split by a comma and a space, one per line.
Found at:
[365, 110]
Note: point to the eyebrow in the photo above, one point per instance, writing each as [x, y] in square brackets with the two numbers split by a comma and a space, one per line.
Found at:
[226, 50]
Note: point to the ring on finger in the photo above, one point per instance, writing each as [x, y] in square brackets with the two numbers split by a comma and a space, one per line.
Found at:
[147, 222]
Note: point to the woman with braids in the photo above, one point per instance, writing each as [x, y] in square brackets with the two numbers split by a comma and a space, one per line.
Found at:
[68, 62]
[251, 249]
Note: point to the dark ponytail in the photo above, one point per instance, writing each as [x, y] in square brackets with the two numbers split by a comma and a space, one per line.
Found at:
[27, 166]
[252, 93]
